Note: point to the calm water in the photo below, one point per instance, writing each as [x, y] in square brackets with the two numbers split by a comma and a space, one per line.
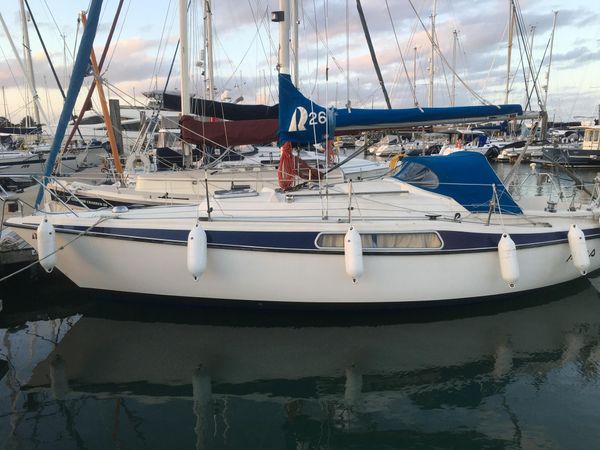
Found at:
[80, 370]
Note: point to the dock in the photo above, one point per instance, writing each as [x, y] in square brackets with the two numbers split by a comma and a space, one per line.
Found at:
[14, 252]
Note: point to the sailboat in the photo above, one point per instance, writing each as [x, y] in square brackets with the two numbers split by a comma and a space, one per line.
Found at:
[449, 218]
[439, 229]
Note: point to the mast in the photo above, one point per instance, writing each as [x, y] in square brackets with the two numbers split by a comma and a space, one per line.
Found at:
[431, 62]
[453, 96]
[529, 54]
[372, 51]
[52, 68]
[511, 27]
[284, 38]
[4, 101]
[208, 38]
[36, 97]
[27, 56]
[184, 73]
[549, 62]
[348, 102]
[415, 71]
[294, 21]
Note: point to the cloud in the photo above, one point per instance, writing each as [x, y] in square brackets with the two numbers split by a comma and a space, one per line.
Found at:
[246, 42]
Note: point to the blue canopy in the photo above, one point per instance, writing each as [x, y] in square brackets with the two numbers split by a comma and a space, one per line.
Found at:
[303, 121]
[467, 177]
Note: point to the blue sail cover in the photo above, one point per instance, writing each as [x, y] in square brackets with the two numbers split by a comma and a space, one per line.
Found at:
[303, 121]
[467, 177]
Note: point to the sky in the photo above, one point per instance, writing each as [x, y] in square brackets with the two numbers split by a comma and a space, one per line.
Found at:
[245, 44]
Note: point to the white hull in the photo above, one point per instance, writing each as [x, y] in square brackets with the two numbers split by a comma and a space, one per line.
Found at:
[26, 163]
[279, 275]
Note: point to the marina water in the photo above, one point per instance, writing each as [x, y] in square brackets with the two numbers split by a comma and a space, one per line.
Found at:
[83, 370]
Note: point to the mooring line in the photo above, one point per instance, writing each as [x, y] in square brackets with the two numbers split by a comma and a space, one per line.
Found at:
[62, 247]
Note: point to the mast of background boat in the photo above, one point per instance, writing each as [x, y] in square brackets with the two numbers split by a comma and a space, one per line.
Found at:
[208, 43]
[110, 131]
[36, 97]
[27, 56]
[511, 27]
[184, 74]
[453, 96]
[363, 21]
[348, 102]
[529, 73]
[431, 62]
[79, 71]
[52, 68]
[415, 71]
[294, 21]
[4, 101]
[549, 62]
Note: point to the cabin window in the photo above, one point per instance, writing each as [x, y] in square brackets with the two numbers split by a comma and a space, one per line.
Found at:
[419, 175]
[596, 133]
[384, 241]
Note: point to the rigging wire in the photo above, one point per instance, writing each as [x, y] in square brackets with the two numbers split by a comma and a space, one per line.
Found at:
[445, 61]
[116, 44]
[162, 42]
[267, 54]
[528, 52]
[414, 94]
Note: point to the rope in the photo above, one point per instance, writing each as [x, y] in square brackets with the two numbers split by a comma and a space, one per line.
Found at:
[22, 269]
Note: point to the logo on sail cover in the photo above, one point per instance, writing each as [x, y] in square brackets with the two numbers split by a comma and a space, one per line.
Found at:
[299, 119]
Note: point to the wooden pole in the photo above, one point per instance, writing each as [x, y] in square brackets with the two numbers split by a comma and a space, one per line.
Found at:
[105, 111]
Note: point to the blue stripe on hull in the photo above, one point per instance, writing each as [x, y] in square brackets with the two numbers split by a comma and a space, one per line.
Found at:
[454, 241]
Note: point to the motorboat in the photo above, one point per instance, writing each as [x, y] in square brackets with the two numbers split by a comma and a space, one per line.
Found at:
[387, 146]
[473, 141]
[586, 154]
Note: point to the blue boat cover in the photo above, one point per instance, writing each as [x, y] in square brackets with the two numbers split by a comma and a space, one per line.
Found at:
[467, 177]
[303, 121]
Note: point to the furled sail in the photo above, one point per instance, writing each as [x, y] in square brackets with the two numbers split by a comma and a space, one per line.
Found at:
[227, 134]
[221, 110]
[303, 121]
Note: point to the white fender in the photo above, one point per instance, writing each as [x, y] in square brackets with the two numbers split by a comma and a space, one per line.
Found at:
[353, 254]
[509, 264]
[578, 247]
[46, 245]
[196, 251]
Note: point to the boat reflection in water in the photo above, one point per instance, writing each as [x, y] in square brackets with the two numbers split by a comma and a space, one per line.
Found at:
[519, 375]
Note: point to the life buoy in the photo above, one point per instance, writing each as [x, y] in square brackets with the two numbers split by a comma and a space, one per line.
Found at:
[138, 162]
[330, 152]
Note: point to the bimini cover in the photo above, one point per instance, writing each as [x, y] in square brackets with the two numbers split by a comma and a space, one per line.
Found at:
[467, 177]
